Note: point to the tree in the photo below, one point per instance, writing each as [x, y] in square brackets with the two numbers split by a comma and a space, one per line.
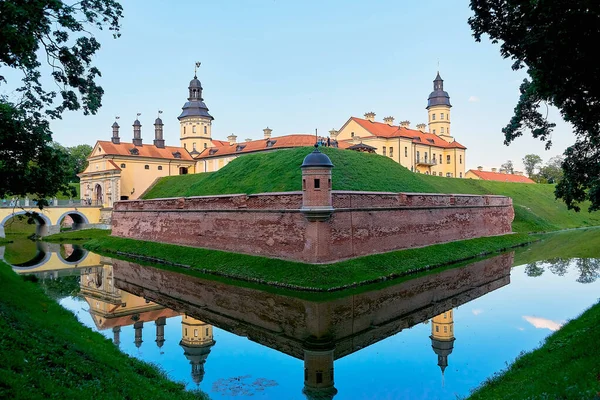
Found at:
[508, 166]
[556, 42]
[552, 171]
[531, 162]
[60, 35]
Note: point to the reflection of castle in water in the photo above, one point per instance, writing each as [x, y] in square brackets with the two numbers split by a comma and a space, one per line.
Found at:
[319, 332]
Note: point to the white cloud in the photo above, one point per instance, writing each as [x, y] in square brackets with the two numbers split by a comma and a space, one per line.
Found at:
[520, 328]
[543, 323]
[473, 99]
[477, 311]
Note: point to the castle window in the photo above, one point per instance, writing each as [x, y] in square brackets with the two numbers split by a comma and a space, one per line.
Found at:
[194, 129]
[405, 151]
[185, 331]
[329, 184]
[442, 116]
[426, 172]
[431, 141]
[433, 117]
[123, 165]
[434, 131]
[205, 129]
[437, 328]
[194, 146]
[445, 315]
[442, 130]
[270, 142]
[460, 173]
[391, 152]
[303, 184]
[448, 175]
[448, 131]
[460, 158]
[184, 130]
[176, 154]
[384, 150]
[448, 159]
[185, 146]
[317, 184]
[204, 145]
[418, 156]
[134, 151]
[426, 157]
[146, 167]
[351, 134]
[206, 331]
[160, 167]
[195, 332]
[434, 159]
[445, 329]
[440, 160]
[240, 147]
[440, 174]
[319, 376]
[212, 151]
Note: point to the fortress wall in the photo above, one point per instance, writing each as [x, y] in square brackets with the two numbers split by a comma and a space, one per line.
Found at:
[273, 224]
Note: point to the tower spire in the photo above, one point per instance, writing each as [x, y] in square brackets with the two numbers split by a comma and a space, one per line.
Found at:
[196, 69]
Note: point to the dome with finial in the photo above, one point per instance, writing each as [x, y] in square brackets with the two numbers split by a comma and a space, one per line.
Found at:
[438, 97]
[195, 106]
[136, 122]
[317, 159]
[158, 121]
[195, 83]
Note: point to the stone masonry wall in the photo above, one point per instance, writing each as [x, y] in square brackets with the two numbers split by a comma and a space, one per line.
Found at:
[273, 225]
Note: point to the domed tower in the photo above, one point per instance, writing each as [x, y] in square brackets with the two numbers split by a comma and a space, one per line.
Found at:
[196, 342]
[159, 140]
[442, 337]
[317, 204]
[438, 109]
[160, 331]
[195, 121]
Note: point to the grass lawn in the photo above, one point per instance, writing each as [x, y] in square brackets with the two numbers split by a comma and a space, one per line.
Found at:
[47, 353]
[536, 209]
[300, 276]
[565, 367]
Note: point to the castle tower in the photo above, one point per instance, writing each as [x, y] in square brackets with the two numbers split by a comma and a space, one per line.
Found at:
[196, 342]
[117, 335]
[317, 204]
[115, 137]
[442, 337]
[438, 109]
[195, 121]
[318, 372]
[137, 327]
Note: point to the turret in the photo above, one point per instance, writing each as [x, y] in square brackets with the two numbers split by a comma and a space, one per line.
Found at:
[117, 335]
[160, 331]
[317, 204]
[138, 326]
[442, 337]
[318, 371]
[196, 341]
[267, 132]
[137, 132]
[159, 141]
[195, 121]
[115, 133]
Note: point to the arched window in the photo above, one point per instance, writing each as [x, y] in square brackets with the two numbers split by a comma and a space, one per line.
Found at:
[193, 128]
[146, 167]
[205, 129]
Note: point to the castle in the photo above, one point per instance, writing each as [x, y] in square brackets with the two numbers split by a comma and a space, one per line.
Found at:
[125, 170]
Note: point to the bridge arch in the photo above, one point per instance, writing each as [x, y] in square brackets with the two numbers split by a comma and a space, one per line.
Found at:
[77, 256]
[41, 257]
[79, 219]
[42, 222]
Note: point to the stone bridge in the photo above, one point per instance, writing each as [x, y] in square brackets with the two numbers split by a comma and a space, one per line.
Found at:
[49, 220]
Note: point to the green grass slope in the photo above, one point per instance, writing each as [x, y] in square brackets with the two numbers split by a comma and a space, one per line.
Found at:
[536, 209]
[47, 353]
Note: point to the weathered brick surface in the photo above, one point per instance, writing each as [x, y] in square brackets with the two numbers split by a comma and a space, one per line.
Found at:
[272, 225]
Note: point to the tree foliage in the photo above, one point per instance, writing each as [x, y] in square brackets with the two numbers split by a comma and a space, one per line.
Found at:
[531, 162]
[76, 158]
[39, 35]
[508, 167]
[555, 40]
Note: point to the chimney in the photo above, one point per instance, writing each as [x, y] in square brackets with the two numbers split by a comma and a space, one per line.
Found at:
[405, 124]
[115, 137]
[370, 116]
[421, 127]
[248, 140]
[159, 142]
[137, 132]
[267, 131]
[480, 168]
[520, 173]
[493, 169]
[232, 139]
[333, 133]
[388, 120]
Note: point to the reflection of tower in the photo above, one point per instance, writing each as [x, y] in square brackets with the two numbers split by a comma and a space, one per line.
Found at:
[160, 331]
[442, 337]
[318, 371]
[196, 341]
[138, 326]
[117, 335]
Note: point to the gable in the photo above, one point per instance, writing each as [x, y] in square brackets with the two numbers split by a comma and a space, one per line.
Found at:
[345, 132]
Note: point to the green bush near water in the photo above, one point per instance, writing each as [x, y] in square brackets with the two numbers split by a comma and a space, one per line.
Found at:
[536, 208]
[47, 353]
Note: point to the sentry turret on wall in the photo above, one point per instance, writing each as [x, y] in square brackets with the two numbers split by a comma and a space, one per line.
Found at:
[317, 204]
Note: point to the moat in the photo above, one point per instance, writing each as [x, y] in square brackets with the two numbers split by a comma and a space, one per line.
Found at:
[437, 336]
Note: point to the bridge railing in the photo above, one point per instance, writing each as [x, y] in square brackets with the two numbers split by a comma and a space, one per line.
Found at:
[24, 202]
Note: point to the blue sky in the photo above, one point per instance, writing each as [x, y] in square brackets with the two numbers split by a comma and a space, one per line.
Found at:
[300, 65]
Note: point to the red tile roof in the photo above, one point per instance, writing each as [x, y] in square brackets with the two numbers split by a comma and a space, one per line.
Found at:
[498, 176]
[380, 129]
[147, 150]
[221, 148]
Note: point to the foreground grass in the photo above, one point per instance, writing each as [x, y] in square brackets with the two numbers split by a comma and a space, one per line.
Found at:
[565, 367]
[47, 353]
[297, 275]
[536, 209]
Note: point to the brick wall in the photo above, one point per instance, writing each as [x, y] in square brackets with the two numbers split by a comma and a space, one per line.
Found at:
[272, 224]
